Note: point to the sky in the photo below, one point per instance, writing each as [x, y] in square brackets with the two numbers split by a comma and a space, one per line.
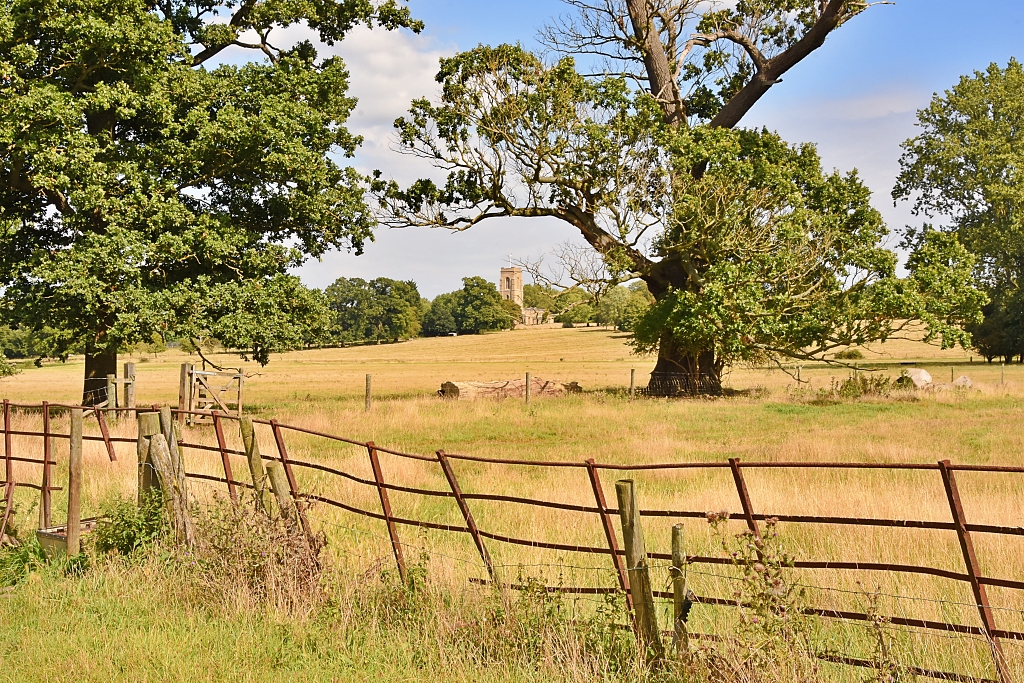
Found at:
[856, 98]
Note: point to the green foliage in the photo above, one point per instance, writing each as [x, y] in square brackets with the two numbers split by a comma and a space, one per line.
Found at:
[380, 310]
[849, 354]
[17, 562]
[964, 169]
[126, 527]
[623, 306]
[760, 255]
[792, 262]
[148, 193]
[539, 296]
[439, 318]
[479, 307]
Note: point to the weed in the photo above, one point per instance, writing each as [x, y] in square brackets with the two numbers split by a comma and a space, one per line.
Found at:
[125, 527]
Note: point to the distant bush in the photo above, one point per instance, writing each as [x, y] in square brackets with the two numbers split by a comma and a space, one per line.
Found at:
[849, 354]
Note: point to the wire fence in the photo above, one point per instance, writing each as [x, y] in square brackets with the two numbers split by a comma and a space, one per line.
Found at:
[220, 471]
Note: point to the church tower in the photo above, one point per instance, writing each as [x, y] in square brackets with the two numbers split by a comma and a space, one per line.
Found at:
[511, 285]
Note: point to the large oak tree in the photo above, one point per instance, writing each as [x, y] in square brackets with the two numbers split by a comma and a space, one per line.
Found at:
[146, 189]
[751, 251]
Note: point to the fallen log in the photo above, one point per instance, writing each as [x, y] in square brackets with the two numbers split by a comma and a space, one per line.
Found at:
[513, 388]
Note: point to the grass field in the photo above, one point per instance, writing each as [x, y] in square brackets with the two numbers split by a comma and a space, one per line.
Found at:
[49, 622]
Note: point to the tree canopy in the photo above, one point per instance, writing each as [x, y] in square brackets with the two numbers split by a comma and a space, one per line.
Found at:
[477, 307]
[379, 310]
[147, 192]
[964, 170]
[752, 252]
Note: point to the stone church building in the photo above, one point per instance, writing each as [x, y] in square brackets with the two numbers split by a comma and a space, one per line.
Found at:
[511, 287]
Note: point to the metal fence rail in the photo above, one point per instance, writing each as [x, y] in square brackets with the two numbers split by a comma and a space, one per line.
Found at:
[959, 525]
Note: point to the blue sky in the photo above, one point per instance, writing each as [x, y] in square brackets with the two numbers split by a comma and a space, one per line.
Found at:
[856, 98]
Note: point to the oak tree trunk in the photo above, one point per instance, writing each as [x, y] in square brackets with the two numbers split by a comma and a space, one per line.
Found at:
[682, 372]
[99, 362]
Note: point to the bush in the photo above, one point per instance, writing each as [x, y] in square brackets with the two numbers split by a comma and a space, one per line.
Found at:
[126, 527]
[849, 354]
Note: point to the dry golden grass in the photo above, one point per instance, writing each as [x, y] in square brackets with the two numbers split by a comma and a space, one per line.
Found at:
[322, 390]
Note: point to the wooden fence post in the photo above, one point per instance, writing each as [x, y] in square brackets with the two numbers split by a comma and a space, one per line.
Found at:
[632, 381]
[609, 531]
[184, 391]
[369, 392]
[256, 470]
[527, 388]
[45, 510]
[646, 620]
[129, 388]
[679, 596]
[149, 425]
[222, 446]
[175, 498]
[385, 504]
[971, 562]
[74, 526]
[177, 461]
[449, 474]
[279, 484]
[293, 486]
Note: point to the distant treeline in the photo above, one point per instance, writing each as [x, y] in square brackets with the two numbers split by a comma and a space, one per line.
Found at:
[385, 310]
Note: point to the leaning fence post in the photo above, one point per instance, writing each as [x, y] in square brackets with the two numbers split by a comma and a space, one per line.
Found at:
[279, 484]
[282, 452]
[385, 504]
[646, 620]
[45, 511]
[222, 446]
[149, 425]
[528, 388]
[74, 526]
[252, 454]
[609, 531]
[101, 420]
[971, 562]
[741, 490]
[680, 609]
[449, 474]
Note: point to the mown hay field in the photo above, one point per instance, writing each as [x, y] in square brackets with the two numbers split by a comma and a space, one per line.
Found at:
[766, 417]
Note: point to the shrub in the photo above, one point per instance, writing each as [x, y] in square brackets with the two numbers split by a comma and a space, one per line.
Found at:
[849, 354]
[125, 527]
